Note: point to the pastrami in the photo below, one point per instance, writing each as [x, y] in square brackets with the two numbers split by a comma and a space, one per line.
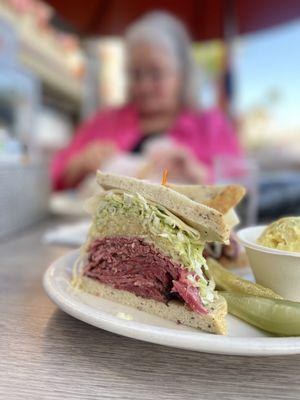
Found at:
[130, 263]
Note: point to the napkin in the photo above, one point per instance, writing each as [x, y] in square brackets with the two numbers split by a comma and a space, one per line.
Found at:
[70, 234]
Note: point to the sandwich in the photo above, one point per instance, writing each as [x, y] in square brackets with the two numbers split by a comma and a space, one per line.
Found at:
[145, 249]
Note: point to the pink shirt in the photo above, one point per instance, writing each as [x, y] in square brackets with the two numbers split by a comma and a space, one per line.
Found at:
[206, 134]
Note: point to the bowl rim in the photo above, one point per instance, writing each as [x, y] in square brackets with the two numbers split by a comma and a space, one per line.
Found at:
[258, 247]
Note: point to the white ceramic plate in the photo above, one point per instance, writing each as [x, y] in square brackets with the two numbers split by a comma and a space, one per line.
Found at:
[243, 339]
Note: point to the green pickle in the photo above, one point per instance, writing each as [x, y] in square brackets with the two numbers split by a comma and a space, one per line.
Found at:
[230, 282]
[280, 317]
[255, 304]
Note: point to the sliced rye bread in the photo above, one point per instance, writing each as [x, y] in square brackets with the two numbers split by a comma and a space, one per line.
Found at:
[213, 322]
[221, 198]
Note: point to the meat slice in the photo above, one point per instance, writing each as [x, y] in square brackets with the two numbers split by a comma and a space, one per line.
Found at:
[130, 263]
[190, 295]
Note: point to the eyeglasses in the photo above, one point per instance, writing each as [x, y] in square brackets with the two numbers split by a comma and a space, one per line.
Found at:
[137, 75]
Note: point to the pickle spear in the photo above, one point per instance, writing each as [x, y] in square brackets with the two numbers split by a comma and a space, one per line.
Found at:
[230, 282]
[280, 317]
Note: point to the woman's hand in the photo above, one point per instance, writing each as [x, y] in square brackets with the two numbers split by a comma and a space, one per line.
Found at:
[181, 164]
[88, 161]
[94, 155]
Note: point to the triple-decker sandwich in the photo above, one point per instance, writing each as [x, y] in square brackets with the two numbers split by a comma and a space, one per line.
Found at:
[145, 250]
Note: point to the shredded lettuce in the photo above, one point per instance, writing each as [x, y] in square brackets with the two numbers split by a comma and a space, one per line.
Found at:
[184, 242]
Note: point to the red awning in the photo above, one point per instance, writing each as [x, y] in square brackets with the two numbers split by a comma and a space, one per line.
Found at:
[205, 18]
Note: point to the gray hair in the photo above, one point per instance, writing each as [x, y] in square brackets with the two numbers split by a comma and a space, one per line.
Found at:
[164, 30]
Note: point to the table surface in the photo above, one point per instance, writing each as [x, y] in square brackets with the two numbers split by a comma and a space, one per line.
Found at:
[46, 354]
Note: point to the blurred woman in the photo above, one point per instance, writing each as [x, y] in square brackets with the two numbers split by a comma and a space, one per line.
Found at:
[161, 103]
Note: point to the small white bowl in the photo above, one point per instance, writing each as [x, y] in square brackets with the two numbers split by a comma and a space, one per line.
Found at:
[278, 270]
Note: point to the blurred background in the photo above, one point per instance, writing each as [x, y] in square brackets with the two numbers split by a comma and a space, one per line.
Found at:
[69, 70]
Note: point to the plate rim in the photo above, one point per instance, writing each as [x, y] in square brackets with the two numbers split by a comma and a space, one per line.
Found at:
[205, 342]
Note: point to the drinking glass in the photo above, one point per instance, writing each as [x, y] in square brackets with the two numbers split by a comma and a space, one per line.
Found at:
[242, 171]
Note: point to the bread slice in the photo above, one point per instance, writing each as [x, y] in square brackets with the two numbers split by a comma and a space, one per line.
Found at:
[208, 221]
[213, 322]
[221, 198]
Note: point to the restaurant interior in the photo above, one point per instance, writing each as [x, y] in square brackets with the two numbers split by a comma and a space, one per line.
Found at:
[177, 92]
[59, 67]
